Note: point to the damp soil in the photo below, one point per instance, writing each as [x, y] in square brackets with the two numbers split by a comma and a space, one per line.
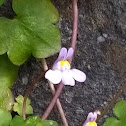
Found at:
[100, 53]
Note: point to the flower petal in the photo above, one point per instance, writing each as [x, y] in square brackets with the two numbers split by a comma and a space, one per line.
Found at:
[62, 54]
[90, 124]
[70, 53]
[86, 124]
[53, 76]
[92, 116]
[78, 75]
[56, 66]
[67, 78]
[95, 116]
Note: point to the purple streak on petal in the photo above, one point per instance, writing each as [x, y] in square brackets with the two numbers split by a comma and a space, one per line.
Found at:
[69, 54]
[62, 54]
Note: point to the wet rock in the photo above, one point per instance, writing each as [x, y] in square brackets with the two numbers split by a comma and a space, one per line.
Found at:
[103, 61]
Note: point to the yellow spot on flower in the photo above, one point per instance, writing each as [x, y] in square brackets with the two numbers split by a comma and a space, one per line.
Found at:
[64, 62]
[92, 124]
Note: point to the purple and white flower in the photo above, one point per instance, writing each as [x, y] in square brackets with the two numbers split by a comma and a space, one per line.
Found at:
[91, 119]
[62, 72]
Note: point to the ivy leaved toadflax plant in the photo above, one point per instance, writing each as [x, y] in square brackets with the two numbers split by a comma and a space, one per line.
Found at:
[91, 119]
[62, 72]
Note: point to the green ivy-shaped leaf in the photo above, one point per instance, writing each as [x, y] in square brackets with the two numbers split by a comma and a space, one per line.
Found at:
[31, 121]
[32, 31]
[5, 117]
[1, 2]
[120, 111]
[8, 74]
[19, 105]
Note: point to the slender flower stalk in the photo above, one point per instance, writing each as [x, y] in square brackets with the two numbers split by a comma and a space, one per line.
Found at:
[75, 26]
[50, 107]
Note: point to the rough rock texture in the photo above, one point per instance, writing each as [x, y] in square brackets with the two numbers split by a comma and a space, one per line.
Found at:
[100, 53]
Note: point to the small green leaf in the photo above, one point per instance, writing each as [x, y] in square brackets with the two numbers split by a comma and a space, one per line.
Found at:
[1, 2]
[120, 111]
[19, 105]
[33, 121]
[17, 121]
[20, 100]
[5, 117]
[8, 72]
[32, 31]
[49, 123]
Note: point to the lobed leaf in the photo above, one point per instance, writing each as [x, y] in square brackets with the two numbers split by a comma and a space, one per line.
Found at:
[18, 106]
[31, 121]
[32, 31]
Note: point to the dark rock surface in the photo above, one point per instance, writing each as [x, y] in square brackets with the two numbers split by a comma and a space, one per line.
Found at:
[100, 53]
